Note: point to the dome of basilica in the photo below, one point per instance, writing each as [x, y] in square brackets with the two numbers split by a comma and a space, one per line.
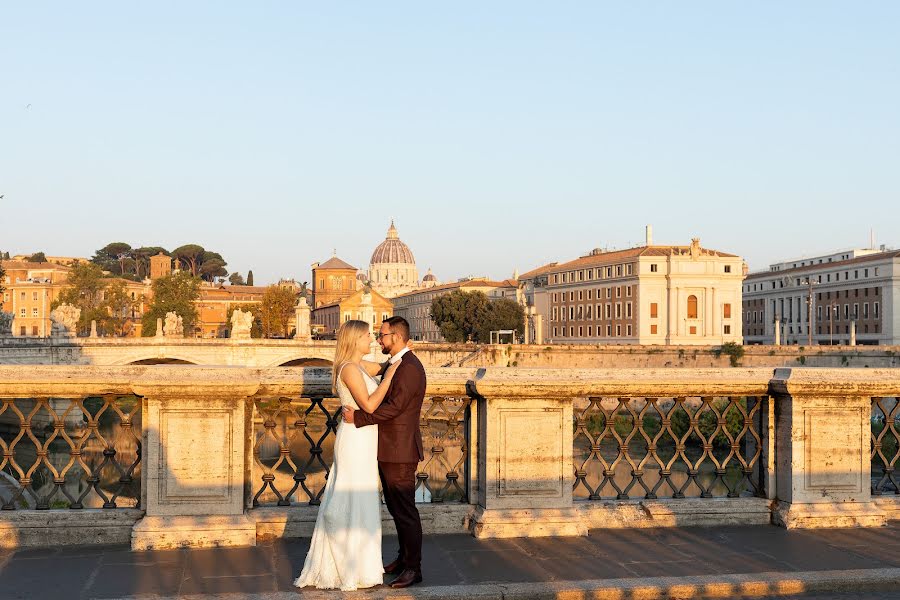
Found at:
[392, 250]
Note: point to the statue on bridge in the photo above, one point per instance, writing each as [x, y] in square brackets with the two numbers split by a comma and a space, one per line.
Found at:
[241, 324]
[65, 320]
[174, 326]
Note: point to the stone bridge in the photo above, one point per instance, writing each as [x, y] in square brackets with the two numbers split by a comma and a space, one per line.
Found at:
[149, 351]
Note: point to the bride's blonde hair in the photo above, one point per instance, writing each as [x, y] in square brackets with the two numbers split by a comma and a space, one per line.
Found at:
[347, 336]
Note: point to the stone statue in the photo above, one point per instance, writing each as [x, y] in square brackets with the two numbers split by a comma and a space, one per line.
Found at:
[174, 326]
[6, 319]
[65, 320]
[241, 324]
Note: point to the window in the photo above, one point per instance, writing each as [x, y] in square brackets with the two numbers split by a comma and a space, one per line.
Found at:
[571, 296]
[618, 310]
[22, 314]
[608, 330]
[692, 307]
[653, 329]
[571, 313]
[875, 310]
[590, 294]
[727, 329]
[865, 310]
[728, 268]
[654, 310]
[587, 312]
[653, 268]
[571, 332]
[629, 269]
[693, 330]
[628, 291]
[554, 332]
[618, 270]
[34, 311]
[581, 332]
[618, 291]
[34, 330]
[34, 295]
[590, 331]
[609, 292]
[628, 330]
[628, 310]
[608, 310]
[22, 331]
[618, 330]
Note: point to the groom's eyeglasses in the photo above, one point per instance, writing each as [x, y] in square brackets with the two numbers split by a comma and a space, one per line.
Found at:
[380, 335]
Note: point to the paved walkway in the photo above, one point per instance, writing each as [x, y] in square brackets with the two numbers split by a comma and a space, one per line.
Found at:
[759, 560]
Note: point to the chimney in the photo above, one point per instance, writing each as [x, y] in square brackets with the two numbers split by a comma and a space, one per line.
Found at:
[649, 235]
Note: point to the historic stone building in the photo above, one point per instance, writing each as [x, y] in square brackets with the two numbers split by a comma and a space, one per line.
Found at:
[392, 268]
[415, 306]
[364, 305]
[650, 294]
[30, 288]
[333, 280]
[848, 297]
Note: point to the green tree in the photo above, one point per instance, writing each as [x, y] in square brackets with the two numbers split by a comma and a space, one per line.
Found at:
[173, 293]
[121, 308]
[37, 257]
[458, 314]
[276, 311]
[250, 277]
[500, 314]
[212, 265]
[190, 257]
[236, 279]
[112, 257]
[256, 328]
[85, 289]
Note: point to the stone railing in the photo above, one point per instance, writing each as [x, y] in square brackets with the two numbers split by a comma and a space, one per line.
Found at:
[169, 456]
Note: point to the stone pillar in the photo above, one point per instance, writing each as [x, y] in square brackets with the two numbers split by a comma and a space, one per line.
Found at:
[93, 328]
[853, 332]
[538, 328]
[159, 327]
[194, 461]
[777, 330]
[822, 449]
[301, 316]
[524, 458]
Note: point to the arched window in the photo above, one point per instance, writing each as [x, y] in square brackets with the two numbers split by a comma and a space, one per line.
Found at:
[692, 307]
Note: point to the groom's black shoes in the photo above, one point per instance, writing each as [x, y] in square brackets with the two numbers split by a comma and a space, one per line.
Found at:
[394, 568]
[407, 578]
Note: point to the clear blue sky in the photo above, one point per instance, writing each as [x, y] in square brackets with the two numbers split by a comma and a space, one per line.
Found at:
[499, 134]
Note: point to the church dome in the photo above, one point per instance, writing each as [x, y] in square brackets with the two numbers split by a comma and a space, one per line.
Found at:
[392, 250]
[429, 276]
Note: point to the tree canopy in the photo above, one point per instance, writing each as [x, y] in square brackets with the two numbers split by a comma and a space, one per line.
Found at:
[236, 279]
[471, 316]
[121, 259]
[173, 293]
[105, 301]
[2, 278]
[37, 257]
[276, 311]
[250, 277]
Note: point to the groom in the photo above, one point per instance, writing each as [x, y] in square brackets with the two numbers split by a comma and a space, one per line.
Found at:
[399, 448]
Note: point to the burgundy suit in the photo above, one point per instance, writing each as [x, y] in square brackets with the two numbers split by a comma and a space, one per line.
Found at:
[399, 453]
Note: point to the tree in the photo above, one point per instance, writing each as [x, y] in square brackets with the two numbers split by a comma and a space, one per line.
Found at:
[458, 314]
[120, 306]
[250, 277]
[276, 311]
[112, 255]
[212, 265]
[2, 277]
[37, 257]
[236, 279]
[190, 256]
[85, 290]
[502, 313]
[173, 293]
[254, 308]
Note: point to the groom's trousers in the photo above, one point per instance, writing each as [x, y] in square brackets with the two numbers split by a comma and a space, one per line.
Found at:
[398, 482]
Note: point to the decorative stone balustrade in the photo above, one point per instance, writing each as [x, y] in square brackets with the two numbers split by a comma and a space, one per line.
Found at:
[168, 456]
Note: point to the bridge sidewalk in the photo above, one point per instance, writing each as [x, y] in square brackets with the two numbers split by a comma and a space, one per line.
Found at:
[649, 563]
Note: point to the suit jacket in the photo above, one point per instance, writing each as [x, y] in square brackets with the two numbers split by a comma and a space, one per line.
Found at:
[399, 436]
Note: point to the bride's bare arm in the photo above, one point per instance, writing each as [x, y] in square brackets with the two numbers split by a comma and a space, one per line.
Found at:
[354, 381]
[374, 368]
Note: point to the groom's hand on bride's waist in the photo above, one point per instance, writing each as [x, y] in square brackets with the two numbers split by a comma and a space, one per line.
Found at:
[348, 414]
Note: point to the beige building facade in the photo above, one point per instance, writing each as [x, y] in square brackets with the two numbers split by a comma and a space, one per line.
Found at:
[652, 294]
[848, 297]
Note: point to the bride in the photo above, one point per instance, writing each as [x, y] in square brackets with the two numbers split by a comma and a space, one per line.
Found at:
[345, 550]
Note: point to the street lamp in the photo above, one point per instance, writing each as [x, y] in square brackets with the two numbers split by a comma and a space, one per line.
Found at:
[810, 301]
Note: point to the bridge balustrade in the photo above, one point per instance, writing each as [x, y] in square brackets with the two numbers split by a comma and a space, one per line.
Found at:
[168, 456]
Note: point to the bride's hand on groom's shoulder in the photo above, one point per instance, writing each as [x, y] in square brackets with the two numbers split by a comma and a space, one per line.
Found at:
[393, 368]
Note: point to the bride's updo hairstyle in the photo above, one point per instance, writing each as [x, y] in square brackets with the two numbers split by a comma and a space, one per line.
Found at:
[347, 336]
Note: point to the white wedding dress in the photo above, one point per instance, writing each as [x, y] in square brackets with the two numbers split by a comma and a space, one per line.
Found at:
[345, 550]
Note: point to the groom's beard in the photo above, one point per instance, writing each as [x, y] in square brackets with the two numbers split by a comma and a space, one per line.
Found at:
[385, 350]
